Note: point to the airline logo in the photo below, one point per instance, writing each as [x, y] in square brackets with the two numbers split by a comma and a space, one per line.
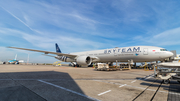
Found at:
[136, 54]
[153, 50]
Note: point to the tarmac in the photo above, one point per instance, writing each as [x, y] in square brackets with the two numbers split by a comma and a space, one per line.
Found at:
[48, 83]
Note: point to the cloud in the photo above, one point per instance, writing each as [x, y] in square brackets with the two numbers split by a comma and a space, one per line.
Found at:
[88, 25]
[166, 38]
[48, 41]
[7, 54]
[66, 16]
[82, 18]
[45, 17]
[18, 19]
[67, 43]
[132, 11]
[169, 37]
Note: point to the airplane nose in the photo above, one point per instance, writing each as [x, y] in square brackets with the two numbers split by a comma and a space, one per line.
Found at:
[170, 54]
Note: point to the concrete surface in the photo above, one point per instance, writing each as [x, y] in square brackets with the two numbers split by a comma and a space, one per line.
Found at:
[48, 83]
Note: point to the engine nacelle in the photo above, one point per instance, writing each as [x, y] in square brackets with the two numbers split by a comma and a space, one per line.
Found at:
[83, 60]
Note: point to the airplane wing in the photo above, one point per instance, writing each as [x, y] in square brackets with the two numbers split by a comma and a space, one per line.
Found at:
[48, 55]
[46, 52]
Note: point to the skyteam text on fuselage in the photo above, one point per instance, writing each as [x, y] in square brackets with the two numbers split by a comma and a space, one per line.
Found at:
[122, 50]
[135, 53]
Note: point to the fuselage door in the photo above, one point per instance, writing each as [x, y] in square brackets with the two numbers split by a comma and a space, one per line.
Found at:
[145, 51]
[115, 52]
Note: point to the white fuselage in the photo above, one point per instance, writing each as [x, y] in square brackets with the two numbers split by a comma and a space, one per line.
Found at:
[135, 53]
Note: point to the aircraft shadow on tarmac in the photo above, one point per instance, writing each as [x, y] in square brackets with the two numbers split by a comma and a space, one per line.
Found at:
[39, 86]
[173, 85]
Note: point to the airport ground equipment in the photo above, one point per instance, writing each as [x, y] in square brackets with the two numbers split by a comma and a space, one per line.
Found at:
[147, 66]
[1, 62]
[167, 74]
[169, 70]
[177, 57]
[125, 66]
[105, 67]
[57, 63]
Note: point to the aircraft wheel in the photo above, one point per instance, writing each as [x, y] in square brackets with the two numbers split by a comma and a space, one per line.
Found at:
[166, 81]
[150, 68]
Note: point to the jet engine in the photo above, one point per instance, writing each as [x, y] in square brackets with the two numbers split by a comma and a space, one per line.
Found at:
[83, 60]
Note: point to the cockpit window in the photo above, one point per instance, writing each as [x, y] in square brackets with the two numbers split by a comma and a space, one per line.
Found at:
[163, 49]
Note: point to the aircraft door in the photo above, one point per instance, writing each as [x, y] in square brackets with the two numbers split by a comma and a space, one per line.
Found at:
[115, 52]
[145, 51]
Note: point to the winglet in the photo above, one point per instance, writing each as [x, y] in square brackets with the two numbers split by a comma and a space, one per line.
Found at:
[57, 48]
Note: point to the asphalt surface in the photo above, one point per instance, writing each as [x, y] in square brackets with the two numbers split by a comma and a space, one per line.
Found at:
[48, 83]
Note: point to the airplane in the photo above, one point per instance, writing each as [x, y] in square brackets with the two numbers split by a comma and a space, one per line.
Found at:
[169, 64]
[13, 61]
[124, 54]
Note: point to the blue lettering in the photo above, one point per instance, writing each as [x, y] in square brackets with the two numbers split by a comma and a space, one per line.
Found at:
[109, 51]
[119, 50]
[136, 49]
[114, 50]
[105, 51]
[129, 50]
[123, 50]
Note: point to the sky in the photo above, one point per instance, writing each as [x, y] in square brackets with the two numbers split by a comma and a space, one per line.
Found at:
[84, 25]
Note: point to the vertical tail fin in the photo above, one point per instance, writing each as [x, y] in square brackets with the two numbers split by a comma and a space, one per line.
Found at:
[15, 57]
[57, 48]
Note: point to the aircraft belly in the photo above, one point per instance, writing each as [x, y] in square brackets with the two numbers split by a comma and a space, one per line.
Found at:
[126, 57]
[107, 58]
[112, 58]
